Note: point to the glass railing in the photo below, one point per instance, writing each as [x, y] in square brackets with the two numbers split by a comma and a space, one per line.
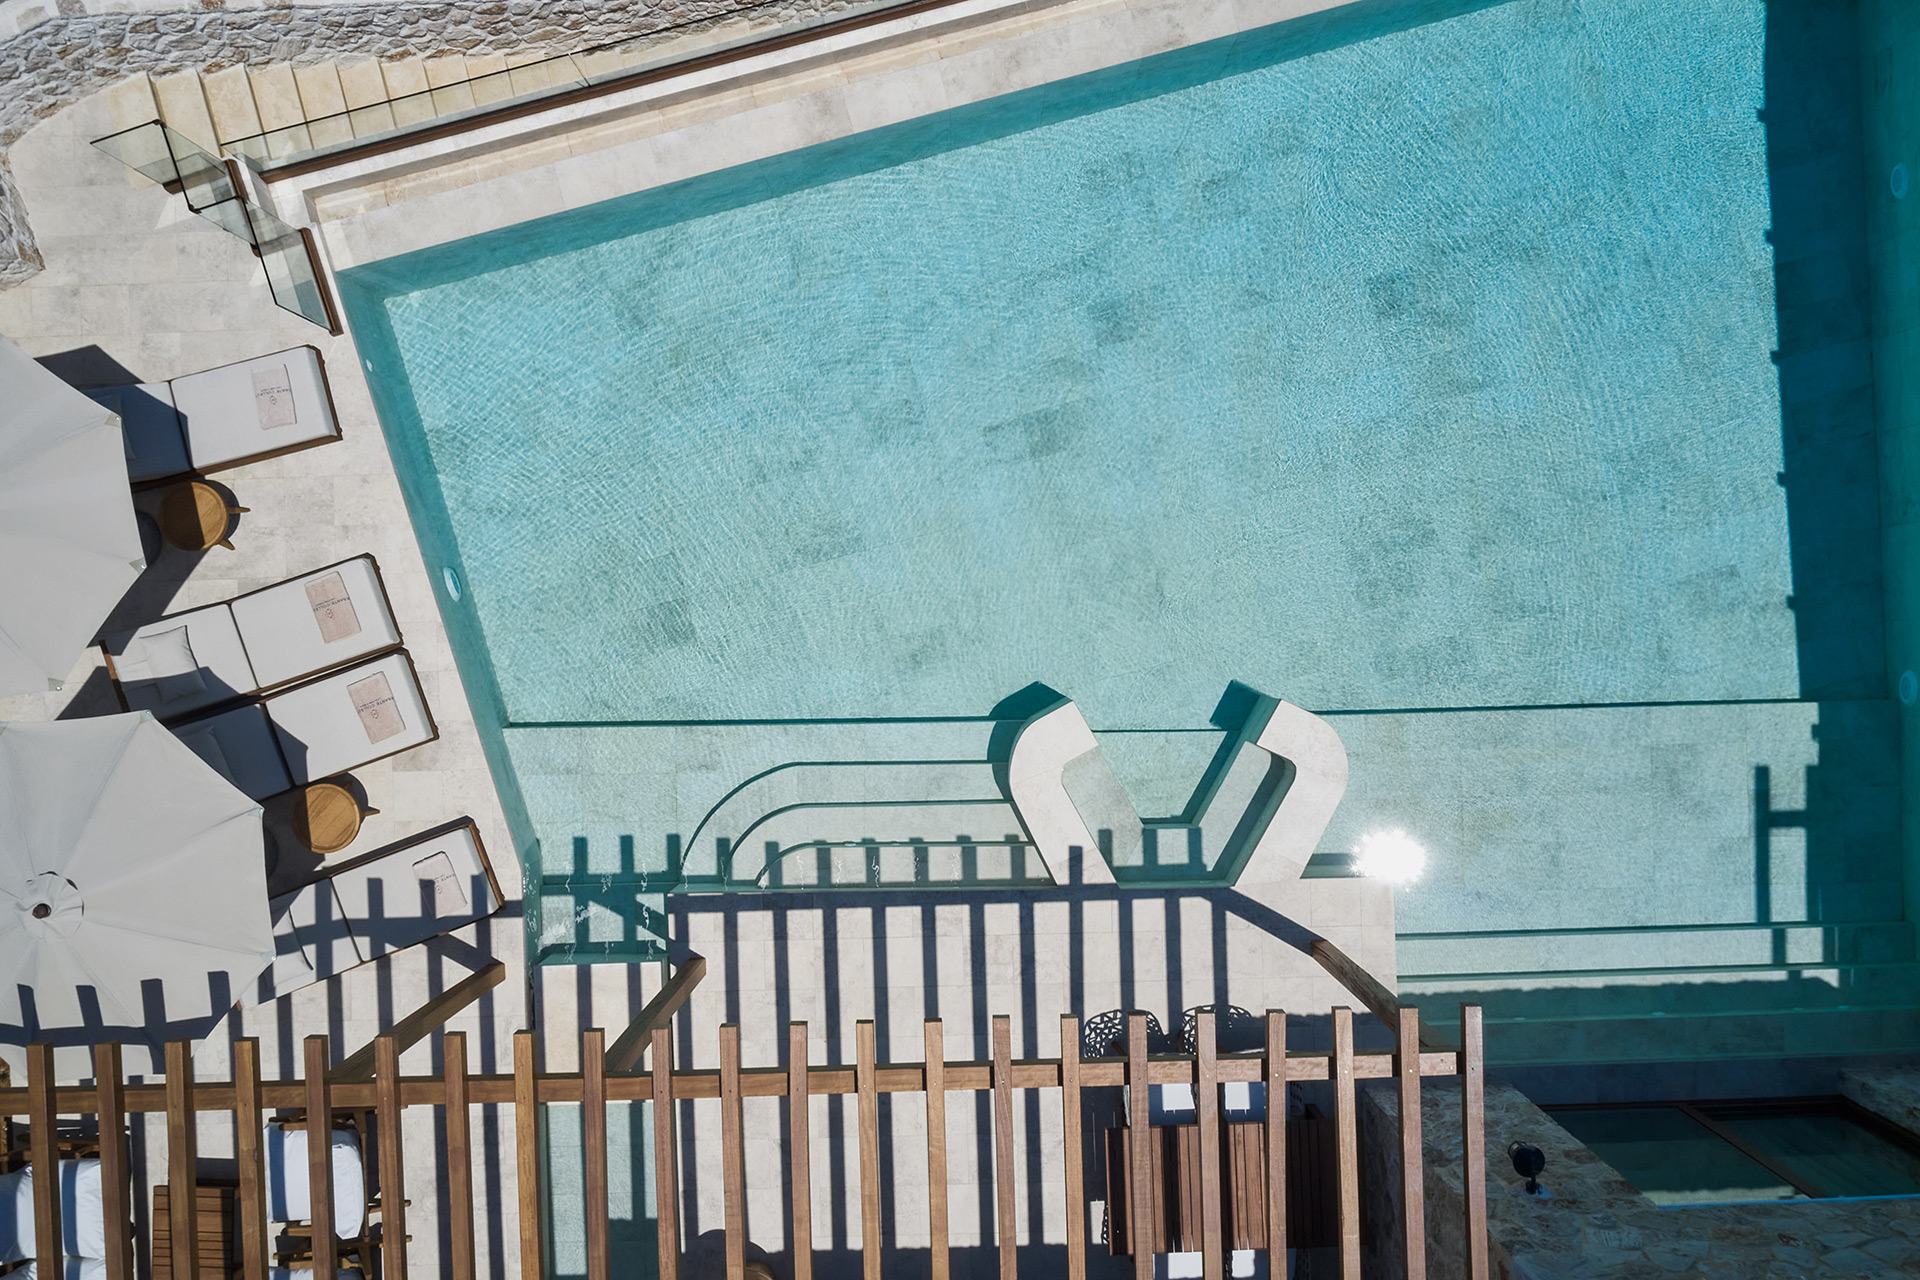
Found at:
[211, 190]
[396, 115]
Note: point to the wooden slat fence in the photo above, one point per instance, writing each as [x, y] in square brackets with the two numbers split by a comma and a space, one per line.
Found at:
[382, 1093]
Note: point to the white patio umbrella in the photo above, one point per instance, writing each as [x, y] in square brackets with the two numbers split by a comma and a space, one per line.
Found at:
[69, 547]
[133, 888]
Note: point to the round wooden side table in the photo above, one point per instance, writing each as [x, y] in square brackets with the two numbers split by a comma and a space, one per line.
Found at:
[326, 817]
[195, 516]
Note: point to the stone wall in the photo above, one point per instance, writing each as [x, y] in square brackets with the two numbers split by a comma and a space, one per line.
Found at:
[68, 52]
[1595, 1226]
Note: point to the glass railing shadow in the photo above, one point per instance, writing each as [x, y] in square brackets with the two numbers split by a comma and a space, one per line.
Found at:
[213, 190]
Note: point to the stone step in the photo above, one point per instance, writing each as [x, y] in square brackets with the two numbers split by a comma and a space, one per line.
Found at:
[408, 90]
[364, 87]
[447, 77]
[183, 107]
[229, 94]
[324, 104]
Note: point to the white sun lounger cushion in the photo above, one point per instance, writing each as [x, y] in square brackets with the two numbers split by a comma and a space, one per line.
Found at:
[311, 940]
[83, 1220]
[223, 411]
[220, 660]
[283, 636]
[149, 427]
[321, 733]
[245, 740]
[289, 1197]
[70, 1269]
[417, 892]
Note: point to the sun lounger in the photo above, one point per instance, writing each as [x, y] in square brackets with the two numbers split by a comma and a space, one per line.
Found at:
[237, 413]
[189, 661]
[384, 901]
[314, 730]
[289, 1197]
[83, 1222]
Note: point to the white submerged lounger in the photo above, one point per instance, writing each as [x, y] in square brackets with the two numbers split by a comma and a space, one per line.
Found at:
[382, 902]
[315, 730]
[237, 413]
[294, 629]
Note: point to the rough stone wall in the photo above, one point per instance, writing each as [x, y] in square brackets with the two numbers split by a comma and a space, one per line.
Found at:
[68, 56]
[1596, 1226]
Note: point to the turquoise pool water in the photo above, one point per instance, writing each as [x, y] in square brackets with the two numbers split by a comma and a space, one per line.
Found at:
[1427, 370]
[1491, 376]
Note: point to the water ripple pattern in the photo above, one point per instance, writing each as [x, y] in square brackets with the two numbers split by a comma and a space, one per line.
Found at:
[1424, 369]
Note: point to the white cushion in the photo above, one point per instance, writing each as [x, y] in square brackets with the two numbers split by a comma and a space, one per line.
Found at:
[82, 1216]
[321, 733]
[289, 1193]
[165, 660]
[220, 662]
[416, 892]
[149, 427]
[70, 1269]
[220, 409]
[283, 639]
[246, 741]
[311, 940]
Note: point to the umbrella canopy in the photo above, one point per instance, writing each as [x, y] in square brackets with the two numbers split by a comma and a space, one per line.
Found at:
[69, 547]
[133, 888]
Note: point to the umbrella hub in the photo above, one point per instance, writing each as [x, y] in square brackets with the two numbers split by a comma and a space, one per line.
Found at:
[52, 905]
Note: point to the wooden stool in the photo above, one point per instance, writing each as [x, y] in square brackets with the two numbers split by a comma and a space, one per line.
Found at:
[326, 817]
[195, 517]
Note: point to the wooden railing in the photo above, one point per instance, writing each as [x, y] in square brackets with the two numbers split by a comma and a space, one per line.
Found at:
[385, 1093]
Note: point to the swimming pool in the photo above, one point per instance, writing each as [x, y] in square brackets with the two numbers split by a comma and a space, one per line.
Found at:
[1419, 371]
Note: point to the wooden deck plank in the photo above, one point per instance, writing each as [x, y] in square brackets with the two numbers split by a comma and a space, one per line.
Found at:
[183, 1226]
[1347, 1140]
[1473, 1121]
[320, 1157]
[43, 1157]
[1413, 1181]
[869, 1126]
[1006, 1225]
[733, 1152]
[393, 1164]
[1073, 1172]
[800, 1151]
[935, 1042]
[250, 1200]
[593, 1128]
[459, 1154]
[1276, 1142]
[1140, 1151]
[526, 1150]
[1206, 1106]
[666, 1204]
[115, 1176]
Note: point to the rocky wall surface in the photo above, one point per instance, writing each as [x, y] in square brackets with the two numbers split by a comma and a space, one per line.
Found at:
[1594, 1225]
[72, 53]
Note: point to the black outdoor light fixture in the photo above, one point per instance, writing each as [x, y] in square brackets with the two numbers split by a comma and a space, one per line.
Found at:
[1528, 1161]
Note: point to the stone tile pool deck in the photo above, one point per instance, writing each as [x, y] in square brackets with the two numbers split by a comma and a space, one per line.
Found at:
[135, 279]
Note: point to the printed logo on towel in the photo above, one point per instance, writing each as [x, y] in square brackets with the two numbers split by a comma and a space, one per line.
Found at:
[332, 609]
[273, 396]
[373, 702]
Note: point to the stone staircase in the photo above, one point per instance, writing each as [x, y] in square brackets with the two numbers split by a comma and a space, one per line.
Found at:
[278, 110]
